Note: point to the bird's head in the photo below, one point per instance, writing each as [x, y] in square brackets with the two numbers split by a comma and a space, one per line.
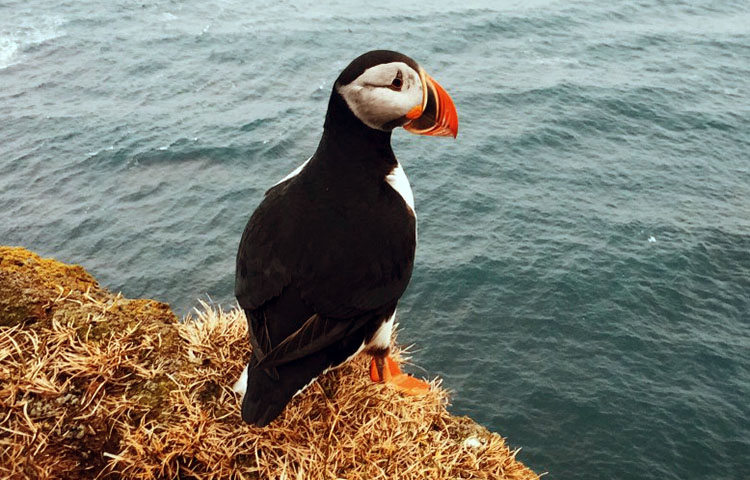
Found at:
[386, 89]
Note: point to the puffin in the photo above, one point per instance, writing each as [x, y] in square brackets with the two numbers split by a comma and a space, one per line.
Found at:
[328, 252]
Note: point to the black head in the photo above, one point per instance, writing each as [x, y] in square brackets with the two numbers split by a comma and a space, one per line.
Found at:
[370, 59]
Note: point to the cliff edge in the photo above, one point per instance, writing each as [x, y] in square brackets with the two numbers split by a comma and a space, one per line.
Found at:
[94, 385]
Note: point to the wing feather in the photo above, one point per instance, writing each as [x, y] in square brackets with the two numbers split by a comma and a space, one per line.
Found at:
[314, 335]
[342, 271]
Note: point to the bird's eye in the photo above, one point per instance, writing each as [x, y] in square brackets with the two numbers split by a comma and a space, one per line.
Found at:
[397, 82]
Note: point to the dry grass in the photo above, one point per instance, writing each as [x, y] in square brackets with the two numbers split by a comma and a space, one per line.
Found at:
[97, 386]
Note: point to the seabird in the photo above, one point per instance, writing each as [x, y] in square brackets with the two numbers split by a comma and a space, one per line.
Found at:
[329, 251]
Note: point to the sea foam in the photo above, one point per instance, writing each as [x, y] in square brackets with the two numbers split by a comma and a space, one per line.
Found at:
[31, 32]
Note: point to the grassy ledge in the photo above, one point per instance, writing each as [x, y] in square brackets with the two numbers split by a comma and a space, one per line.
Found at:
[93, 385]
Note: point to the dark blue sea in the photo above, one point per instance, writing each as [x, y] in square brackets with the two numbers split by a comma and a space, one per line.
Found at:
[582, 281]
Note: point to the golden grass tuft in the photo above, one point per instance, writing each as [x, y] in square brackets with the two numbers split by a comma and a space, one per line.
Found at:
[96, 386]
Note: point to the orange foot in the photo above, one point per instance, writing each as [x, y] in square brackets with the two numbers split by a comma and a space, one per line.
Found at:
[385, 369]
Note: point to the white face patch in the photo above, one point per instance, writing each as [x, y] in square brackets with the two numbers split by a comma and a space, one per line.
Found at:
[372, 98]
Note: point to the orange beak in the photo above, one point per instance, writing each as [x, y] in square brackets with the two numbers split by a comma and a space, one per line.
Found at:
[436, 115]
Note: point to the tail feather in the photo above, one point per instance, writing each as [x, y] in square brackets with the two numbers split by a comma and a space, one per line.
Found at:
[269, 390]
[266, 397]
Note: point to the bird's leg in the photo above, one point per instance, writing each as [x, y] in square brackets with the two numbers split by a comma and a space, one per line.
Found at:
[384, 369]
[376, 368]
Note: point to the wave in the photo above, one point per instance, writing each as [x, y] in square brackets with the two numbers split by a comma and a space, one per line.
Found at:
[27, 34]
[8, 51]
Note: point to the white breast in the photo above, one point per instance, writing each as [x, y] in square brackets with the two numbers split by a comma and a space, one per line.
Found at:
[293, 172]
[398, 181]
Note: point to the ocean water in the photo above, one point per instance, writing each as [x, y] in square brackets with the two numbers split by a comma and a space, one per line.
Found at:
[582, 280]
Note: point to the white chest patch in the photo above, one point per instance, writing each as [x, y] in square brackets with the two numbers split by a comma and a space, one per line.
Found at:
[398, 181]
[293, 172]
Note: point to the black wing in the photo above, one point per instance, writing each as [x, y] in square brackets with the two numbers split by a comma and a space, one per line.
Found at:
[264, 267]
[311, 270]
